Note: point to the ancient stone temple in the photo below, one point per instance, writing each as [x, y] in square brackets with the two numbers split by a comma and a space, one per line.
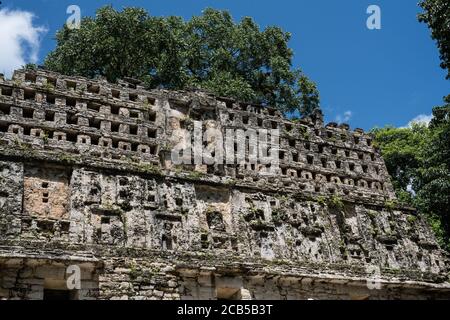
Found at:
[88, 184]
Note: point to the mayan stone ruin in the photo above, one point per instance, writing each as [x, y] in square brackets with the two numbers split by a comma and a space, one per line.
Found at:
[87, 180]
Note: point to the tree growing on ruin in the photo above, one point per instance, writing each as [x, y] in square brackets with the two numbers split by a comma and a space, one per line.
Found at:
[209, 52]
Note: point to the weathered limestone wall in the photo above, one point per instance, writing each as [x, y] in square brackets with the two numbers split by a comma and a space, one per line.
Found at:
[86, 178]
[166, 214]
[137, 275]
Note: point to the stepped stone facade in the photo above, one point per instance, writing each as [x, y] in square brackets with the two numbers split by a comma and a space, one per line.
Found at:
[87, 180]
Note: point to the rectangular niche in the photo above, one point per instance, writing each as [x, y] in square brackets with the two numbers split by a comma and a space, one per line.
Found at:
[46, 192]
[216, 217]
[212, 195]
[108, 224]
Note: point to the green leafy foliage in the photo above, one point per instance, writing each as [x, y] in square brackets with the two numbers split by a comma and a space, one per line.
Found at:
[432, 173]
[210, 52]
[436, 15]
[401, 148]
[336, 202]
[419, 157]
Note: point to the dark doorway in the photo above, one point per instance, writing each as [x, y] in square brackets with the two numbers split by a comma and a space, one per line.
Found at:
[60, 295]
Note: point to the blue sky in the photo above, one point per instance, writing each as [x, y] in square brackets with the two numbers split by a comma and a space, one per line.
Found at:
[367, 77]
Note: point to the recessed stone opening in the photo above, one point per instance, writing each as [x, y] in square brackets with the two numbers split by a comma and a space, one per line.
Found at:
[94, 123]
[115, 126]
[152, 116]
[115, 109]
[229, 294]
[93, 106]
[166, 242]
[51, 82]
[27, 113]
[50, 98]
[115, 93]
[134, 114]
[3, 127]
[133, 97]
[59, 295]
[71, 85]
[71, 118]
[93, 88]
[71, 102]
[31, 77]
[151, 101]
[151, 133]
[72, 137]
[260, 122]
[288, 127]
[292, 143]
[29, 94]
[133, 130]
[5, 109]
[49, 115]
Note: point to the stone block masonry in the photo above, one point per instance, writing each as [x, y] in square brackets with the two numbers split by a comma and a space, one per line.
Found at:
[87, 179]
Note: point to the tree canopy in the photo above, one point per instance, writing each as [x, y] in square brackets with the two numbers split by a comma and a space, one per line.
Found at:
[210, 52]
[418, 158]
[436, 15]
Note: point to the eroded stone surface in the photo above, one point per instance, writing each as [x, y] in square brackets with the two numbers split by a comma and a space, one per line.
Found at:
[46, 192]
[86, 178]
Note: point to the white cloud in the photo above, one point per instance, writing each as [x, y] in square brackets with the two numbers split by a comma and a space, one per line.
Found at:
[344, 118]
[19, 39]
[420, 119]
